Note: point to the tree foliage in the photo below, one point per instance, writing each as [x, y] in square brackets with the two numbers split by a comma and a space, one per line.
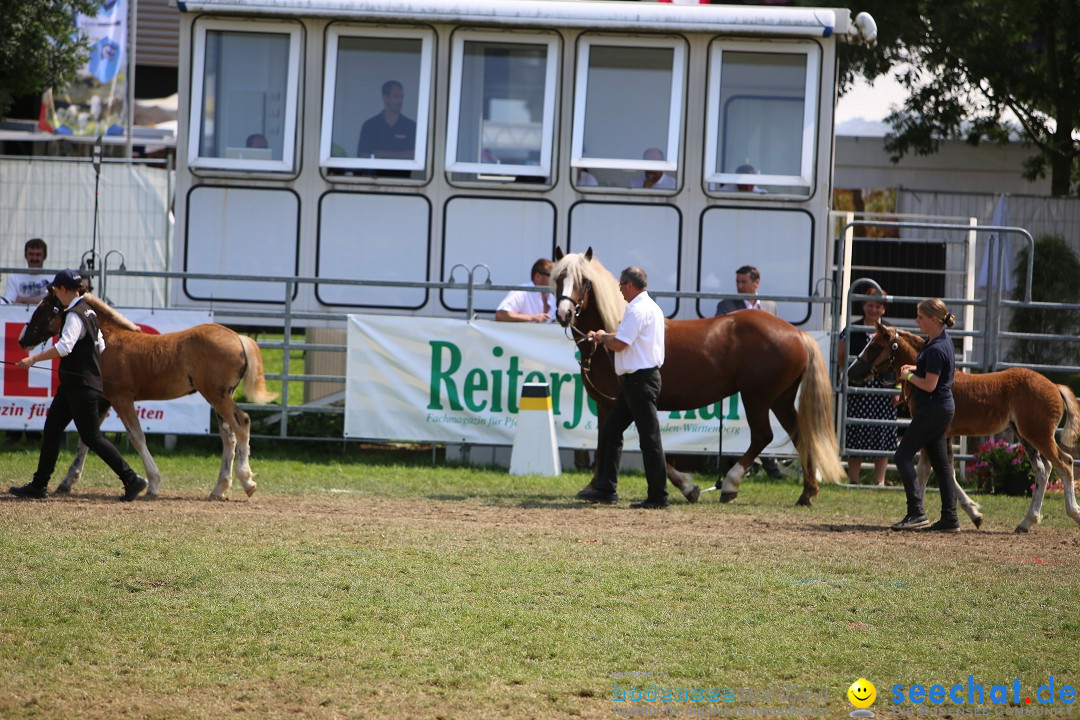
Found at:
[1054, 275]
[969, 64]
[38, 46]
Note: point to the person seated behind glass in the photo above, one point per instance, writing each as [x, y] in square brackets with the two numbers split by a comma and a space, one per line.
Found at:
[525, 306]
[256, 140]
[653, 179]
[389, 134]
[745, 169]
[586, 179]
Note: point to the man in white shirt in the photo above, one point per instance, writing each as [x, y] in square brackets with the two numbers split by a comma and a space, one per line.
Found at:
[653, 179]
[24, 288]
[527, 306]
[638, 346]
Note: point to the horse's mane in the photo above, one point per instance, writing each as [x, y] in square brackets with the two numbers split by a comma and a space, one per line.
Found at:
[107, 314]
[915, 341]
[609, 301]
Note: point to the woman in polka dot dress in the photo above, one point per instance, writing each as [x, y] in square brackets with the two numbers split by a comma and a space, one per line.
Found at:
[873, 407]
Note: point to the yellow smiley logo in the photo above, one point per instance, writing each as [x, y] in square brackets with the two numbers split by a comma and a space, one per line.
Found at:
[862, 693]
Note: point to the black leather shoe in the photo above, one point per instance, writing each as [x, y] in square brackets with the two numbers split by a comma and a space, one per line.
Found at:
[595, 496]
[650, 505]
[133, 488]
[30, 490]
[944, 526]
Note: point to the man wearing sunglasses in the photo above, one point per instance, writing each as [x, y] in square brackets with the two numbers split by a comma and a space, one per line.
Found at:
[526, 305]
[638, 346]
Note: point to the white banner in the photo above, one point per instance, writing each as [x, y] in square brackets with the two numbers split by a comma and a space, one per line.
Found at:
[445, 380]
[25, 395]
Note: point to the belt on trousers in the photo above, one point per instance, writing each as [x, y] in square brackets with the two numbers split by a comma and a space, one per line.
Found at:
[643, 371]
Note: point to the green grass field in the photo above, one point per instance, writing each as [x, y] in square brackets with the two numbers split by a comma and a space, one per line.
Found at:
[365, 583]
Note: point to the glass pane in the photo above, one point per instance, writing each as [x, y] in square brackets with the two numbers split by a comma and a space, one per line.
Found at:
[502, 104]
[627, 103]
[244, 93]
[762, 101]
[377, 91]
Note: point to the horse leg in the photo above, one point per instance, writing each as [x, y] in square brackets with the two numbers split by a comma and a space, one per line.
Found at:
[228, 450]
[1071, 508]
[242, 428]
[1041, 466]
[757, 417]
[125, 409]
[74, 472]
[970, 506]
[784, 409]
[685, 483]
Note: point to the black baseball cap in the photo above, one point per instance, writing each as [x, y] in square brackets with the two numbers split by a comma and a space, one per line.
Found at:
[70, 279]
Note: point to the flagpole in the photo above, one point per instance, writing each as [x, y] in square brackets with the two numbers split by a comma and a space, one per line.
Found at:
[96, 161]
[130, 55]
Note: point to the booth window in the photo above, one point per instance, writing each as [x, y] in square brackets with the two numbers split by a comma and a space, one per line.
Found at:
[245, 84]
[762, 119]
[628, 113]
[502, 107]
[375, 120]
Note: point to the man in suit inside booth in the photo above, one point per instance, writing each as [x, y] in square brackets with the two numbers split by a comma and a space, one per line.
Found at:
[747, 280]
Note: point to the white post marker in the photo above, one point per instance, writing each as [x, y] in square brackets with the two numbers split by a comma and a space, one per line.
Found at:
[535, 449]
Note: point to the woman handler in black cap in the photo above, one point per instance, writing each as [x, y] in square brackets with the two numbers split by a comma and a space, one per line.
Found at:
[79, 349]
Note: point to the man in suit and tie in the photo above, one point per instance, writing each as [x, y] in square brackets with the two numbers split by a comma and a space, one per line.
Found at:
[526, 306]
[747, 280]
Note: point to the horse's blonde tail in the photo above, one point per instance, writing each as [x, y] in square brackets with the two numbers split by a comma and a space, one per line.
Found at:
[254, 382]
[1071, 432]
[817, 444]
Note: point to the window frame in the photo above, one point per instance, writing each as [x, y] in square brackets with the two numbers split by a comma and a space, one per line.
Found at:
[675, 111]
[811, 83]
[494, 171]
[289, 150]
[424, 89]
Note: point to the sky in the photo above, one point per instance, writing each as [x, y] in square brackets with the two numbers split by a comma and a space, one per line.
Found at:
[863, 109]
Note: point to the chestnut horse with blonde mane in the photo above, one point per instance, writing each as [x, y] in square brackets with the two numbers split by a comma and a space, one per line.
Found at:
[986, 404]
[209, 359]
[756, 354]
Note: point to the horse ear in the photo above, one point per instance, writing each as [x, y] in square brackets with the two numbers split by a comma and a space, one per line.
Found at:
[588, 253]
[558, 253]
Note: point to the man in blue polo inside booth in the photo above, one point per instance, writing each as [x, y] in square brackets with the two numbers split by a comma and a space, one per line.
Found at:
[79, 350]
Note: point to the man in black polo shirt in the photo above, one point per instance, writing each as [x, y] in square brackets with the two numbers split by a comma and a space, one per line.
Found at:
[389, 134]
[79, 350]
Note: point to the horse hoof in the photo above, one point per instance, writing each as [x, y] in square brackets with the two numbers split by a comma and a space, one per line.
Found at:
[250, 489]
[978, 521]
[726, 497]
[62, 489]
[219, 498]
[804, 502]
[1021, 530]
[693, 495]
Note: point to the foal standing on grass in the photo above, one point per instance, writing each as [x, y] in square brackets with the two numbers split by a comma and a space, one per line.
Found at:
[931, 377]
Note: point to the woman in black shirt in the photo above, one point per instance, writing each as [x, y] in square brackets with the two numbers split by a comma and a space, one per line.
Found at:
[931, 379]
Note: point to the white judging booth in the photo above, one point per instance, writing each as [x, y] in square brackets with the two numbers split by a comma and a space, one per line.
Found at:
[397, 141]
